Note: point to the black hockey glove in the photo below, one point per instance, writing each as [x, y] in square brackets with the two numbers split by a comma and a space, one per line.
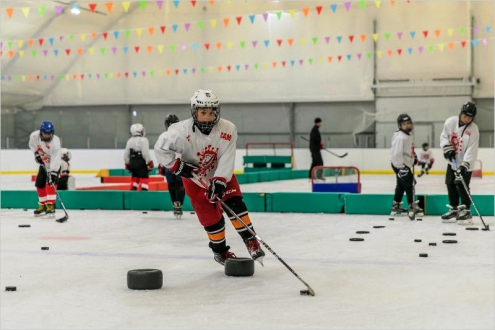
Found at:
[449, 152]
[184, 169]
[404, 172]
[216, 189]
[461, 170]
[52, 178]
[37, 158]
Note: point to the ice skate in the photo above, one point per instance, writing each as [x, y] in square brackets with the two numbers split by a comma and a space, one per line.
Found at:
[419, 211]
[177, 210]
[222, 257]
[464, 217]
[397, 209]
[451, 215]
[50, 210]
[411, 212]
[254, 249]
[40, 211]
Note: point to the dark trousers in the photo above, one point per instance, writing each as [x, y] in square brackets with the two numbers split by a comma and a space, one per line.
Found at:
[175, 187]
[317, 161]
[404, 184]
[138, 167]
[455, 188]
[42, 178]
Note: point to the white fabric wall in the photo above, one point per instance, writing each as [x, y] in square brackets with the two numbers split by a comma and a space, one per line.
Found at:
[364, 159]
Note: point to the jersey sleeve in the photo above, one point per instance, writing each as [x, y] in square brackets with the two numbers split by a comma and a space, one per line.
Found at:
[471, 153]
[54, 164]
[169, 143]
[226, 162]
[444, 136]
[127, 152]
[397, 152]
[33, 142]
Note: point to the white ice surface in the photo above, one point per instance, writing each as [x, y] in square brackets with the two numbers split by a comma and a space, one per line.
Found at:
[80, 283]
[371, 184]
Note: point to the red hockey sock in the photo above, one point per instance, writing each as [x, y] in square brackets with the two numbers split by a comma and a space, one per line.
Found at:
[50, 194]
[41, 195]
[135, 183]
[144, 184]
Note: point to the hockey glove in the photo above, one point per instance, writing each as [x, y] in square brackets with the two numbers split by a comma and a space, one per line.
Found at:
[404, 172]
[449, 152]
[216, 189]
[161, 169]
[38, 159]
[127, 167]
[150, 165]
[64, 174]
[184, 169]
[461, 170]
[52, 178]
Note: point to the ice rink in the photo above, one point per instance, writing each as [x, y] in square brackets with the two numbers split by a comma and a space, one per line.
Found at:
[80, 282]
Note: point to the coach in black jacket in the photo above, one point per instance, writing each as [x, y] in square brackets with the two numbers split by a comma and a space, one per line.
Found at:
[315, 145]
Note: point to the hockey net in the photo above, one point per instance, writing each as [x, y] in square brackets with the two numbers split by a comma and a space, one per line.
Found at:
[336, 179]
[478, 169]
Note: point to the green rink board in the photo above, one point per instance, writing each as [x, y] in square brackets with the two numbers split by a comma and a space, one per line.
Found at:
[305, 202]
[369, 203]
[436, 204]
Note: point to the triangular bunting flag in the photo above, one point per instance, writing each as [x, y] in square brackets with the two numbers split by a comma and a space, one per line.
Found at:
[226, 22]
[463, 44]
[462, 31]
[315, 40]
[219, 45]
[161, 47]
[290, 41]
[187, 26]
[239, 20]
[339, 58]
[450, 32]
[441, 46]
[363, 37]
[362, 4]
[176, 3]
[351, 38]
[25, 11]
[377, 3]
[387, 36]
[451, 45]
[425, 33]
[327, 39]
[213, 23]
[420, 48]
[51, 40]
[339, 39]
[488, 29]
[116, 34]
[193, 3]
[207, 46]
[412, 34]
[243, 43]
[399, 51]
[279, 42]
[375, 36]
[318, 9]
[201, 24]
[230, 44]
[174, 27]
[41, 11]
[266, 42]
[105, 35]
[474, 42]
[142, 4]
[437, 33]
[485, 41]
[305, 11]
[254, 42]
[136, 49]
[251, 18]
[265, 16]
[151, 30]
[399, 35]
[349, 57]
[369, 54]
[409, 50]
[333, 7]
[279, 15]
[389, 52]
[40, 41]
[195, 46]
[139, 32]
[431, 48]
[347, 5]
[92, 7]
[126, 5]
[292, 13]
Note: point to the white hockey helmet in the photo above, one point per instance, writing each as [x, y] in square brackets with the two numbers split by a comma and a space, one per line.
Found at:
[65, 154]
[137, 130]
[205, 98]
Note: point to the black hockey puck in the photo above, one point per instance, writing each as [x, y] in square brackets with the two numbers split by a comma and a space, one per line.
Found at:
[432, 244]
[449, 234]
[423, 255]
[193, 212]
[45, 248]
[239, 267]
[472, 228]
[305, 293]
[419, 219]
[362, 232]
[356, 239]
[417, 240]
[391, 219]
[25, 209]
[24, 226]
[145, 212]
[378, 226]
[449, 241]
[10, 288]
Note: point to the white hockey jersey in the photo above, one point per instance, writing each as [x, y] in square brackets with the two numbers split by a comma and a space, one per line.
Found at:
[464, 139]
[425, 156]
[137, 143]
[402, 151]
[49, 150]
[214, 154]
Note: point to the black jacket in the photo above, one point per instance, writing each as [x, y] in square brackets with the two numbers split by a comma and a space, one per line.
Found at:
[315, 139]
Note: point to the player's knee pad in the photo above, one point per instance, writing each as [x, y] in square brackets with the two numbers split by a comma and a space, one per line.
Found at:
[237, 205]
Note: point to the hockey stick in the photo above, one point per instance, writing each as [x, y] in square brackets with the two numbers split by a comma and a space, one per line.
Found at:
[66, 216]
[309, 291]
[329, 151]
[413, 196]
[487, 228]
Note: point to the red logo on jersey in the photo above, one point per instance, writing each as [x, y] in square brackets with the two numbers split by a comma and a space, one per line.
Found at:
[456, 142]
[188, 138]
[207, 159]
[226, 136]
[468, 133]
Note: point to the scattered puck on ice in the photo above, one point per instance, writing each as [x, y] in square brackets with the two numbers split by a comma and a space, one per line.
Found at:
[423, 255]
[25, 209]
[356, 239]
[472, 228]
[193, 213]
[306, 293]
[378, 226]
[419, 219]
[10, 288]
[449, 234]
[449, 241]
[24, 226]
[391, 219]
[144, 279]
[145, 212]
[45, 248]
[432, 244]
[239, 267]
[362, 232]
[417, 240]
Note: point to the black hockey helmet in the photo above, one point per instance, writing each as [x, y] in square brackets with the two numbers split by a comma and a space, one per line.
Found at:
[469, 109]
[425, 145]
[404, 117]
[171, 119]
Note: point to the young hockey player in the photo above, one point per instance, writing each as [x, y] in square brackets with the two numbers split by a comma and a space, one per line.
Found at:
[206, 145]
[315, 146]
[175, 185]
[425, 159]
[403, 158]
[46, 147]
[64, 169]
[137, 157]
[459, 140]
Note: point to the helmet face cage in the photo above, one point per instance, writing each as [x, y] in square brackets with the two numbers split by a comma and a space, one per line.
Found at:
[47, 127]
[205, 99]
